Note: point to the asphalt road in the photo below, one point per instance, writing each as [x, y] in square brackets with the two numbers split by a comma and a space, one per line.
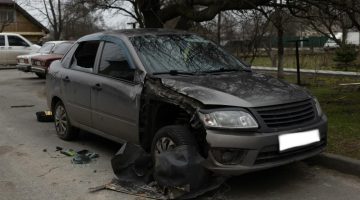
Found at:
[27, 172]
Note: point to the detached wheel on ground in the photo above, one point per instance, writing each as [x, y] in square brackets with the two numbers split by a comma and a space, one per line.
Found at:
[63, 128]
[42, 76]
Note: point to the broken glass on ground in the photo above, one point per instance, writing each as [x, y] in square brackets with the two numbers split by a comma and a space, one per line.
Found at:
[177, 174]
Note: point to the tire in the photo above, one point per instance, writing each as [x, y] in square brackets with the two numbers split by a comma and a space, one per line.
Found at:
[178, 135]
[42, 76]
[167, 175]
[64, 129]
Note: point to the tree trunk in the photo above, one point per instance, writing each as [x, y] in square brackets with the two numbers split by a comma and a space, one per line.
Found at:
[280, 44]
[219, 29]
[150, 10]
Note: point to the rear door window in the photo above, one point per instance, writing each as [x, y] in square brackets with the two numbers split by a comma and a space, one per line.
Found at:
[2, 40]
[114, 64]
[16, 41]
[84, 56]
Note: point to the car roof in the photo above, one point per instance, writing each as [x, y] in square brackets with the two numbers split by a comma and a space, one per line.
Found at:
[134, 32]
[59, 42]
[4, 33]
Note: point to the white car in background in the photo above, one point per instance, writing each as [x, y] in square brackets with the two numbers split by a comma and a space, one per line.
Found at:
[12, 45]
[24, 61]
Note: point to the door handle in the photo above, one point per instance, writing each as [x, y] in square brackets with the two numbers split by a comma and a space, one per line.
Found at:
[66, 79]
[97, 87]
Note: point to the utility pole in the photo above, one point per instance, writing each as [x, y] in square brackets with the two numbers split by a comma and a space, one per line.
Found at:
[298, 58]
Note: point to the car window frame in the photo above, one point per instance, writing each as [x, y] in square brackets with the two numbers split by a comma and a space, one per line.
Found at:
[82, 69]
[27, 44]
[120, 43]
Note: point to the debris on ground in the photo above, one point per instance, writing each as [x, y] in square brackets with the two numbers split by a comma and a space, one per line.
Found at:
[78, 157]
[22, 106]
[45, 116]
[177, 174]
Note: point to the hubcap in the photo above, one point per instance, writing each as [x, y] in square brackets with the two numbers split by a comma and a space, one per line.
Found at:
[60, 120]
[164, 144]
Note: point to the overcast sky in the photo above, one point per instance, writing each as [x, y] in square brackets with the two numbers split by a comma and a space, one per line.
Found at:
[112, 20]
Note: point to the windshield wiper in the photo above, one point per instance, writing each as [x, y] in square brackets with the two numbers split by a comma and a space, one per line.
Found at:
[174, 73]
[222, 70]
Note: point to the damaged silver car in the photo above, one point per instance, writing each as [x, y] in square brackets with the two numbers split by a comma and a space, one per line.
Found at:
[164, 88]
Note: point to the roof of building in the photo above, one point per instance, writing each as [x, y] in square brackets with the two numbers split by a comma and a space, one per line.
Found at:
[25, 13]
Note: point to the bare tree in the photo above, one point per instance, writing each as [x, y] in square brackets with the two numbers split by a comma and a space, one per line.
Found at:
[155, 13]
[328, 16]
[4, 24]
[6, 18]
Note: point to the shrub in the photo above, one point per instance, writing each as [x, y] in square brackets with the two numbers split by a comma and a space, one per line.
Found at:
[345, 55]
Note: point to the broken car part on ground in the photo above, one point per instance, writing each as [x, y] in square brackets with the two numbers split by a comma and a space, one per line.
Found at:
[172, 176]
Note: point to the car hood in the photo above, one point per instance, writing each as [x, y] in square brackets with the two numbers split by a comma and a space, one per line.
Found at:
[48, 57]
[240, 89]
[30, 55]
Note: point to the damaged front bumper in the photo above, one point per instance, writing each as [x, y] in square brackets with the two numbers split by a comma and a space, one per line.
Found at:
[23, 67]
[255, 151]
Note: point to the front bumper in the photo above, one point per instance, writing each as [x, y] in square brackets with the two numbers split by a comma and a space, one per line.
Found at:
[39, 70]
[24, 68]
[260, 150]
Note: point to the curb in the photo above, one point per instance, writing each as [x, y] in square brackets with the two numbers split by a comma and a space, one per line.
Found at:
[336, 162]
[309, 71]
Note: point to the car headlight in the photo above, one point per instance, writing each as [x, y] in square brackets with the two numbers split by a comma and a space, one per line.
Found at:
[228, 119]
[318, 107]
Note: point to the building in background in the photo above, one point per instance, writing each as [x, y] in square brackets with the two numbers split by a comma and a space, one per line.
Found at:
[15, 19]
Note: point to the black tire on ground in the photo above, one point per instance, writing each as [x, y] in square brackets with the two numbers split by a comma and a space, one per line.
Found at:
[179, 134]
[42, 76]
[65, 130]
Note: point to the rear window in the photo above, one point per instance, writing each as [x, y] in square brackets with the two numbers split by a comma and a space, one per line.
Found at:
[46, 48]
[62, 48]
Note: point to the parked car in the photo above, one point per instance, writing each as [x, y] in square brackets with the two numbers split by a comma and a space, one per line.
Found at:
[41, 63]
[24, 61]
[352, 38]
[12, 45]
[162, 89]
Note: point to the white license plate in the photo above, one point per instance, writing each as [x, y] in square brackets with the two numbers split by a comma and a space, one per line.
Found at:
[291, 140]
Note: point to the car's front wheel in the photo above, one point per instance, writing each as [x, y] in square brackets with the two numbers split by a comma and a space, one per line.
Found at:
[63, 127]
[169, 137]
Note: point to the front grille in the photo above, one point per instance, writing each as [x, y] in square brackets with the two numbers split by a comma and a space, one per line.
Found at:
[286, 115]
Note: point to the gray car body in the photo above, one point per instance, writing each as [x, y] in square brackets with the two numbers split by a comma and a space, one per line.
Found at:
[116, 110]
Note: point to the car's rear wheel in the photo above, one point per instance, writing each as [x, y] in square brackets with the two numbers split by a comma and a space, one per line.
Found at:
[63, 127]
[40, 75]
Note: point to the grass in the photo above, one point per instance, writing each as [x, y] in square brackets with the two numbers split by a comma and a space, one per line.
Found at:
[342, 108]
[309, 61]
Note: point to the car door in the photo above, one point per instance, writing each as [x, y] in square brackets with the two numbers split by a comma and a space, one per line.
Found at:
[77, 81]
[115, 96]
[17, 46]
[2, 50]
